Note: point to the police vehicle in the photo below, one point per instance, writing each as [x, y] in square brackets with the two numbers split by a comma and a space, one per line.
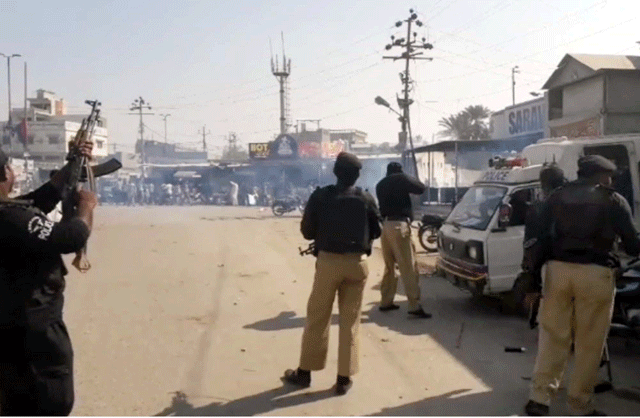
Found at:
[480, 243]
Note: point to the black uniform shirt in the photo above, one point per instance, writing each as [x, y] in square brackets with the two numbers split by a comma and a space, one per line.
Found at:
[31, 268]
[393, 194]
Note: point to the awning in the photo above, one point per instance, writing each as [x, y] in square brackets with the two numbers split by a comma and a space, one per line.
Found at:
[187, 175]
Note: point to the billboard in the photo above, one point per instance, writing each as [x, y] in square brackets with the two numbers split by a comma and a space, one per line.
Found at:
[284, 146]
[524, 120]
[258, 150]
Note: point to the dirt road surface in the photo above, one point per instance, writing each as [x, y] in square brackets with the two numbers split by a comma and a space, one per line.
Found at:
[199, 310]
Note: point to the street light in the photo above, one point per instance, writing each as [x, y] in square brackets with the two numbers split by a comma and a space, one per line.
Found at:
[515, 70]
[535, 94]
[8, 57]
[165, 116]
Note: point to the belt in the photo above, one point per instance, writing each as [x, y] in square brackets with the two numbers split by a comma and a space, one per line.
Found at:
[397, 218]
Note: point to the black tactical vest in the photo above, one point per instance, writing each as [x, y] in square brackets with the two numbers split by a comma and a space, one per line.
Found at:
[343, 225]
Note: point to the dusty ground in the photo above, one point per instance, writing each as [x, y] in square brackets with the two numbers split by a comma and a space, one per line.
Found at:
[198, 311]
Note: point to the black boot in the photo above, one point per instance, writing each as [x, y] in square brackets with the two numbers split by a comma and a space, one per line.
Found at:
[298, 377]
[343, 384]
[535, 409]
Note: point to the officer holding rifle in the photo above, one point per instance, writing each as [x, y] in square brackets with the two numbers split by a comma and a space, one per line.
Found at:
[36, 358]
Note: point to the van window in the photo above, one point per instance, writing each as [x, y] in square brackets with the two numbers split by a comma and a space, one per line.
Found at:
[619, 154]
[477, 207]
[520, 201]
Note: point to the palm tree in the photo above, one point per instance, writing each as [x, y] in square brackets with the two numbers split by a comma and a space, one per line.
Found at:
[455, 127]
[469, 124]
[479, 115]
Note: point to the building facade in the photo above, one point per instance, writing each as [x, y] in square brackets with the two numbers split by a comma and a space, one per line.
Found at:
[49, 131]
[594, 95]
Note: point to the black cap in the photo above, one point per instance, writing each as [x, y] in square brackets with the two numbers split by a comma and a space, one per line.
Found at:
[347, 160]
[393, 168]
[594, 164]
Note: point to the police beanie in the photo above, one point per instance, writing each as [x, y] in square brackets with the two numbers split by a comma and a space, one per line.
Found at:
[394, 167]
[593, 164]
[348, 161]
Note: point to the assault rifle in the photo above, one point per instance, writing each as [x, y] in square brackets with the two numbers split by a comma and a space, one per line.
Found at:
[81, 171]
[310, 250]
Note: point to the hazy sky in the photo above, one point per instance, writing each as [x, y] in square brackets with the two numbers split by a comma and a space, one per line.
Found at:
[207, 62]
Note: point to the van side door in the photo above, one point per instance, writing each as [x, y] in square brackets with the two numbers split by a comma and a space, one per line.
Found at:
[505, 246]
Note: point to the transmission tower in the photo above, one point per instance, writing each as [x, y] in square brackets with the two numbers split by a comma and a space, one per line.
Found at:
[282, 75]
[411, 46]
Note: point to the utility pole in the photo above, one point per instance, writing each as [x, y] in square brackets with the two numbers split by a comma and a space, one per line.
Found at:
[282, 74]
[410, 45]
[515, 70]
[204, 137]
[164, 117]
[139, 104]
[9, 125]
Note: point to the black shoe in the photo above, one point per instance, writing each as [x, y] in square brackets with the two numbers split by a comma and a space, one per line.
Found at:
[596, 413]
[602, 387]
[343, 384]
[391, 307]
[535, 409]
[420, 313]
[298, 377]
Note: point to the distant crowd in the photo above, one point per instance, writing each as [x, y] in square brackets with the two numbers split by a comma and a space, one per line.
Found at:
[185, 193]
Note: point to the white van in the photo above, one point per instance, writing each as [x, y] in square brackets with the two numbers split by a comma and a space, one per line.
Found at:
[480, 243]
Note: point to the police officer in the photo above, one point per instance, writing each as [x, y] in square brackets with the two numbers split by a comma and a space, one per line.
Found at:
[36, 358]
[583, 218]
[397, 247]
[343, 220]
[551, 177]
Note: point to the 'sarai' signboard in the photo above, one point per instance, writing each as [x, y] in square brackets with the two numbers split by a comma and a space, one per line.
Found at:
[524, 120]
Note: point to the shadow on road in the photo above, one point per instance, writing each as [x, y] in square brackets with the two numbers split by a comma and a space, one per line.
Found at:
[256, 404]
[285, 320]
[459, 403]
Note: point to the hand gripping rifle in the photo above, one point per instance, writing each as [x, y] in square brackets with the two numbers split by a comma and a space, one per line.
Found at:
[80, 171]
[310, 250]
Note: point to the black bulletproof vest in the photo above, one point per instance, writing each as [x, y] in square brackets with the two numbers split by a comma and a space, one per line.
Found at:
[343, 222]
[583, 221]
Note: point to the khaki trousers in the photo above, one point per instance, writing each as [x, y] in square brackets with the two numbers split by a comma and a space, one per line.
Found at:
[344, 274]
[398, 248]
[584, 292]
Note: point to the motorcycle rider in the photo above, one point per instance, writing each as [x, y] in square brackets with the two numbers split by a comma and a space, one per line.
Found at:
[578, 225]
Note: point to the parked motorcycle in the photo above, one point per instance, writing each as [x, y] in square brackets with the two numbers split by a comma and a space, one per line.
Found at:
[626, 305]
[282, 206]
[428, 231]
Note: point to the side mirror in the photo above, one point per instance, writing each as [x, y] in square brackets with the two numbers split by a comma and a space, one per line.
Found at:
[504, 215]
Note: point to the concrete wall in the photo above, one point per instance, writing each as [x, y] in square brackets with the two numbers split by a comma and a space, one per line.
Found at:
[585, 98]
[623, 92]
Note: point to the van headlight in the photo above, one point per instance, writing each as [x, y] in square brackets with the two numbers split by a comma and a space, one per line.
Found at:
[474, 251]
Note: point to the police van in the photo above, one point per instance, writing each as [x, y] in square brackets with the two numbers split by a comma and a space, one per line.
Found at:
[480, 243]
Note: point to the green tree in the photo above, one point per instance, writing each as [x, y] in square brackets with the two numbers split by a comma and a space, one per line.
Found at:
[470, 124]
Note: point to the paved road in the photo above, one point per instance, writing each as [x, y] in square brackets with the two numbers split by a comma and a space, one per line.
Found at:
[198, 311]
